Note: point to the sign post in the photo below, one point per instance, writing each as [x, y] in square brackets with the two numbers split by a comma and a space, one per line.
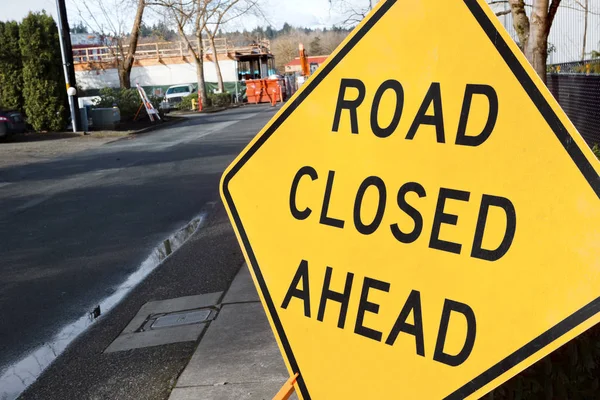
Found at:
[67, 59]
[421, 212]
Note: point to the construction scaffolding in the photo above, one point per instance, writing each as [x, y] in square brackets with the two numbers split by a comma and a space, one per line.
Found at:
[161, 50]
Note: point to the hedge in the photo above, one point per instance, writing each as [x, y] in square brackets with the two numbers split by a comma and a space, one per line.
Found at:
[219, 99]
[11, 76]
[128, 101]
[214, 100]
[44, 93]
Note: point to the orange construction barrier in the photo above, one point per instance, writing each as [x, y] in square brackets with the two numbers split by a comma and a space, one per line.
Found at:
[287, 389]
[265, 91]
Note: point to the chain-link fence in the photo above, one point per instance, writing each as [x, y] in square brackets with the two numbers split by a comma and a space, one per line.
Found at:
[575, 36]
[576, 87]
[586, 67]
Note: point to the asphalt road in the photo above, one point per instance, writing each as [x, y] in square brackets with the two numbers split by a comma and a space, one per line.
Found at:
[75, 227]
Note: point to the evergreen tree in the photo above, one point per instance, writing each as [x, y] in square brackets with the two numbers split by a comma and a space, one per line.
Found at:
[270, 32]
[287, 28]
[163, 32]
[314, 48]
[11, 67]
[43, 81]
[146, 31]
[79, 28]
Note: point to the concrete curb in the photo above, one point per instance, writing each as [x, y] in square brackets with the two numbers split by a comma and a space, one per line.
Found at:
[165, 124]
[237, 357]
[211, 111]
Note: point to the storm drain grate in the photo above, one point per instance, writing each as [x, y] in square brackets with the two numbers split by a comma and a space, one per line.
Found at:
[181, 318]
[178, 318]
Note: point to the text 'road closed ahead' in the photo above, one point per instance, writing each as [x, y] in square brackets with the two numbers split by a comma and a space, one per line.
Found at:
[302, 289]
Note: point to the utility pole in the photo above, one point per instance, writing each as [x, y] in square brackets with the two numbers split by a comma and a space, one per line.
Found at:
[67, 58]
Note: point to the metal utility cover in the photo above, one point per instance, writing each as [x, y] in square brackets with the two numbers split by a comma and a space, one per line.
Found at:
[182, 318]
[421, 219]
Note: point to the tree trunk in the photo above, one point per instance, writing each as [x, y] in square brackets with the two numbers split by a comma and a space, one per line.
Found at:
[536, 49]
[125, 70]
[217, 67]
[200, 71]
[124, 77]
[520, 21]
[198, 59]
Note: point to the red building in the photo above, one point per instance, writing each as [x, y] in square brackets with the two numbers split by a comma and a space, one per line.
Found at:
[314, 62]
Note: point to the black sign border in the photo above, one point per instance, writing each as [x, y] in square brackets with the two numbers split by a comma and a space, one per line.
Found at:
[549, 115]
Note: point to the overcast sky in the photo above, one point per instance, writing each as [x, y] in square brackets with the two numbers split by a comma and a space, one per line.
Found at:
[305, 13]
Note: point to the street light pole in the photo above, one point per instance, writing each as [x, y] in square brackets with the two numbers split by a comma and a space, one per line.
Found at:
[67, 59]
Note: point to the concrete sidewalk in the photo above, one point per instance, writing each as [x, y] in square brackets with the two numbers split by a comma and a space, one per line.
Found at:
[237, 357]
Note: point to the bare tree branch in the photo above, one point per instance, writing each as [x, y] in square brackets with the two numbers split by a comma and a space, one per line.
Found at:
[194, 14]
[112, 31]
[551, 14]
[351, 13]
[221, 12]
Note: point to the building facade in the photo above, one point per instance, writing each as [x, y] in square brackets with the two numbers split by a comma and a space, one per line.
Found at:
[160, 65]
[314, 62]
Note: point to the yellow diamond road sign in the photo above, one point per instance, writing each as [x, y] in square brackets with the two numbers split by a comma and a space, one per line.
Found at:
[421, 219]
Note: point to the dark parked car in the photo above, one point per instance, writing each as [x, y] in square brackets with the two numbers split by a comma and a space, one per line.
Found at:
[11, 122]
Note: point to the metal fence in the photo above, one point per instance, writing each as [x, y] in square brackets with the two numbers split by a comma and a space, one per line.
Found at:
[585, 67]
[579, 95]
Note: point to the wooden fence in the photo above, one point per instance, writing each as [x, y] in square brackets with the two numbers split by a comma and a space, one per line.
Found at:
[166, 49]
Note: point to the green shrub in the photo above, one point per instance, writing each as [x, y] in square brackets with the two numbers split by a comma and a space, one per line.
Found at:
[220, 99]
[209, 102]
[44, 94]
[128, 101]
[571, 372]
[186, 102]
[11, 67]
[214, 99]
[596, 150]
